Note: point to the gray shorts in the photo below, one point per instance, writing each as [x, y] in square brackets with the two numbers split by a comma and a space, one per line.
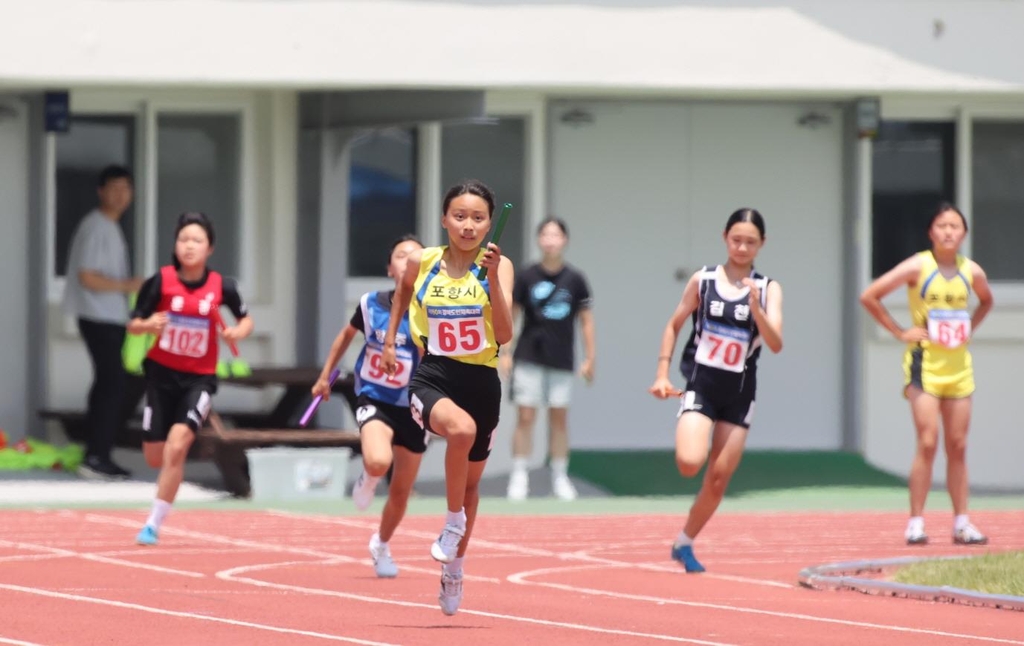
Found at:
[536, 386]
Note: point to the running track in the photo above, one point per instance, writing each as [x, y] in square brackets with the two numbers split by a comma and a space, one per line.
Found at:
[275, 578]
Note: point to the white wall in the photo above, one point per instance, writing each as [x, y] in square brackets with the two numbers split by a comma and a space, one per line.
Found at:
[646, 189]
[14, 284]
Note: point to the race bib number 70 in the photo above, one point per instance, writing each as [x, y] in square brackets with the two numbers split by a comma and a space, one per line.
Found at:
[456, 330]
[723, 347]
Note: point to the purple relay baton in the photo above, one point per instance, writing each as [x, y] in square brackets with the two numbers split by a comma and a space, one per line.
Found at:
[316, 400]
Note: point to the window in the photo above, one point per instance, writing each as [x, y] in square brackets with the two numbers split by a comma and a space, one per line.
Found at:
[912, 171]
[199, 169]
[382, 196]
[997, 211]
[494, 153]
[91, 144]
[183, 159]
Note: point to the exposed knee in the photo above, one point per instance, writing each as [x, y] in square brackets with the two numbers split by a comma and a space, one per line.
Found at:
[375, 466]
[461, 434]
[956, 449]
[927, 444]
[687, 467]
[154, 459]
[715, 482]
[527, 417]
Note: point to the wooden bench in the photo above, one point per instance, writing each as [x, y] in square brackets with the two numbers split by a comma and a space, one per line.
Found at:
[226, 447]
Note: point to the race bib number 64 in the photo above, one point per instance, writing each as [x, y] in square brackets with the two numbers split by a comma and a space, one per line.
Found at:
[456, 330]
[949, 328]
[723, 347]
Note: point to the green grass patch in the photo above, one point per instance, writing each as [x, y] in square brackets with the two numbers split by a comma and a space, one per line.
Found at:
[654, 473]
[992, 573]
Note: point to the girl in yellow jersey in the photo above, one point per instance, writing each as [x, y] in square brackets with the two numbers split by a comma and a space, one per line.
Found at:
[939, 379]
[459, 321]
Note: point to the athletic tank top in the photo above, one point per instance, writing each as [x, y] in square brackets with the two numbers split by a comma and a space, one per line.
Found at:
[939, 304]
[371, 380]
[725, 339]
[189, 342]
[452, 317]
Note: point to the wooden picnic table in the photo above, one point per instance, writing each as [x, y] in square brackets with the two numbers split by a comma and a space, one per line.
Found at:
[297, 382]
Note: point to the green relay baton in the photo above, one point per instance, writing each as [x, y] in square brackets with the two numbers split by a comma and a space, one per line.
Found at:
[496, 234]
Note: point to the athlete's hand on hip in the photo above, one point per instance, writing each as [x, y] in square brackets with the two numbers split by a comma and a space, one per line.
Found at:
[156, 323]
[754, 298]
[913, 335]
[491, 260]
[322, 388]
[388, 361]
[663, 389]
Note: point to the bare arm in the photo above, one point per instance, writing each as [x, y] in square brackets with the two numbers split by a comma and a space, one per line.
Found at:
[587, 328]
[902, 274]
[662, 387]
[505, 360]
[322, 387]
[501, 307]
[984, 292]
[769, 322]
[97, 282]
[399, 306]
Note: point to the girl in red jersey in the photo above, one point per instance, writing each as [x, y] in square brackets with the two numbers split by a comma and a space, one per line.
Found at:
[178, 305]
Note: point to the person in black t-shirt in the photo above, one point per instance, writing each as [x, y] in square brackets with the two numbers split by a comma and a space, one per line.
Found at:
[550, 295]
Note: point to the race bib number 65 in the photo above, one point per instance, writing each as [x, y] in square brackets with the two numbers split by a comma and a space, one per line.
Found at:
[723, 347]
[949, 328]
[456, 330]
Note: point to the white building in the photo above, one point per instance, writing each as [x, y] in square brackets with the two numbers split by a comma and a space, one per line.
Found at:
[314, 131]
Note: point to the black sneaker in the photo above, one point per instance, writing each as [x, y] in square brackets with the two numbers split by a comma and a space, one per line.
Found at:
[94, 468]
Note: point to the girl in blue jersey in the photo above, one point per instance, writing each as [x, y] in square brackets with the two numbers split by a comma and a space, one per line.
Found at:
[386, 427]
[735, 311]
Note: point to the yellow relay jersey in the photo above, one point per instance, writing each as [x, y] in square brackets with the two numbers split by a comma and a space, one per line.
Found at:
[452, 317]
[940, 305]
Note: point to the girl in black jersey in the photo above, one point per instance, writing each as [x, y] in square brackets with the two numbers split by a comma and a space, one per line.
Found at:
[735, 311]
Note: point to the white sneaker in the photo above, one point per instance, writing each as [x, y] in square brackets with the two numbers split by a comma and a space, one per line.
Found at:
[563, 488]
[364, 490]
[915, 534]
[447, 544]
[969, 535]
[518, 486]
[381, 555]
[451, 592]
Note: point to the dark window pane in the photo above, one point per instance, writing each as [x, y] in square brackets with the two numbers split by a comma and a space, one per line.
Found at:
[91, 144]
[199, 169]
[912, 171]
[997, 176]
[494, 153]
[382, 197]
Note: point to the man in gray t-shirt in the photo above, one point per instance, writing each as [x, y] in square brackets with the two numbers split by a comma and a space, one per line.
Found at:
[96, 294]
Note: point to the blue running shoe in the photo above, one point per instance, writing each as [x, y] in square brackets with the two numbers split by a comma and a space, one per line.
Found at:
[684, 554]
[147, 536]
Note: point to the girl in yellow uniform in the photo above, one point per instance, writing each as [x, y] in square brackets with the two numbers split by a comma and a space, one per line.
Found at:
[460, 321]
[939, 378]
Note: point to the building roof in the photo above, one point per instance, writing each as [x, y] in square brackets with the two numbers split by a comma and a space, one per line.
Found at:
[340, 44]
